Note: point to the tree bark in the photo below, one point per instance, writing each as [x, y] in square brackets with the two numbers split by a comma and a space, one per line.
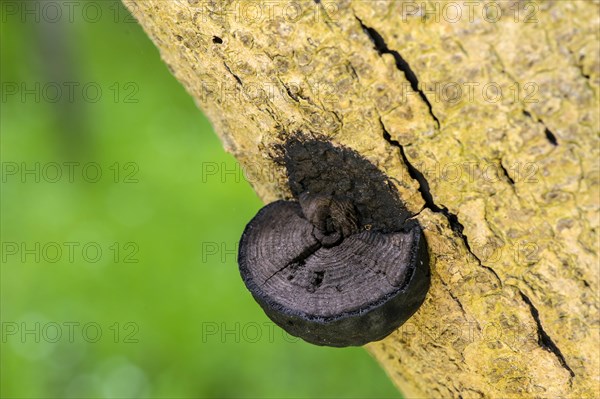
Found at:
[484, 115]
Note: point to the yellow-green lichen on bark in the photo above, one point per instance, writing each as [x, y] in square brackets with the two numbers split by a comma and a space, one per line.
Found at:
[486, 120]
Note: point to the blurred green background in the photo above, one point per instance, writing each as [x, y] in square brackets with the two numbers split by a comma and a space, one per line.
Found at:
[120, 219]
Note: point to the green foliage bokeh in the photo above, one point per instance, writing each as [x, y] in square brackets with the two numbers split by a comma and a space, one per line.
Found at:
[162, 311]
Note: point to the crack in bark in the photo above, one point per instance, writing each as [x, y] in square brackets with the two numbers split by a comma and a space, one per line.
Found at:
[579, 65]
[351, 67]
[550, 136]
[510, 179]
[544, 339]
[237, 78]
[583, 74]
[289, 93]
[401, 64]
[454, 298]
[425, 191]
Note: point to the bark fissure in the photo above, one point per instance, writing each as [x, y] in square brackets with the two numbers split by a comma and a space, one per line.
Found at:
[425, 191]
[237, 78]
[550, 136]
[456, 300]
[401, 64]
[510, 179]
[544, 339]
[289, 93]
[579, 65]
[583, 74]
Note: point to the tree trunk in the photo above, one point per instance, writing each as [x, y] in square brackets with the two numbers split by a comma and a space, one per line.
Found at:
[485, 115]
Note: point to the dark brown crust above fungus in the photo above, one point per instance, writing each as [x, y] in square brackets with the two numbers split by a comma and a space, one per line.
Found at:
[358, 290]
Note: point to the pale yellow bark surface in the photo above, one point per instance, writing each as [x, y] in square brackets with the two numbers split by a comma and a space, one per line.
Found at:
[513, 306]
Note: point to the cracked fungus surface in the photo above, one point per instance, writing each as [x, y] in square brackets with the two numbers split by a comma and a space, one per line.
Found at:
[503, 174]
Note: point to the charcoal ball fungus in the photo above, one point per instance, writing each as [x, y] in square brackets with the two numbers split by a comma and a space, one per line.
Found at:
[319, 277]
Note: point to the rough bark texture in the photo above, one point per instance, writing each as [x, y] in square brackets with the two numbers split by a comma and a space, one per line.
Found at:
[505, 186]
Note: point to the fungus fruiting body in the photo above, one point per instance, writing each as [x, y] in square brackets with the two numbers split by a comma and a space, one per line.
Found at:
[347, 291]
[330, 266]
